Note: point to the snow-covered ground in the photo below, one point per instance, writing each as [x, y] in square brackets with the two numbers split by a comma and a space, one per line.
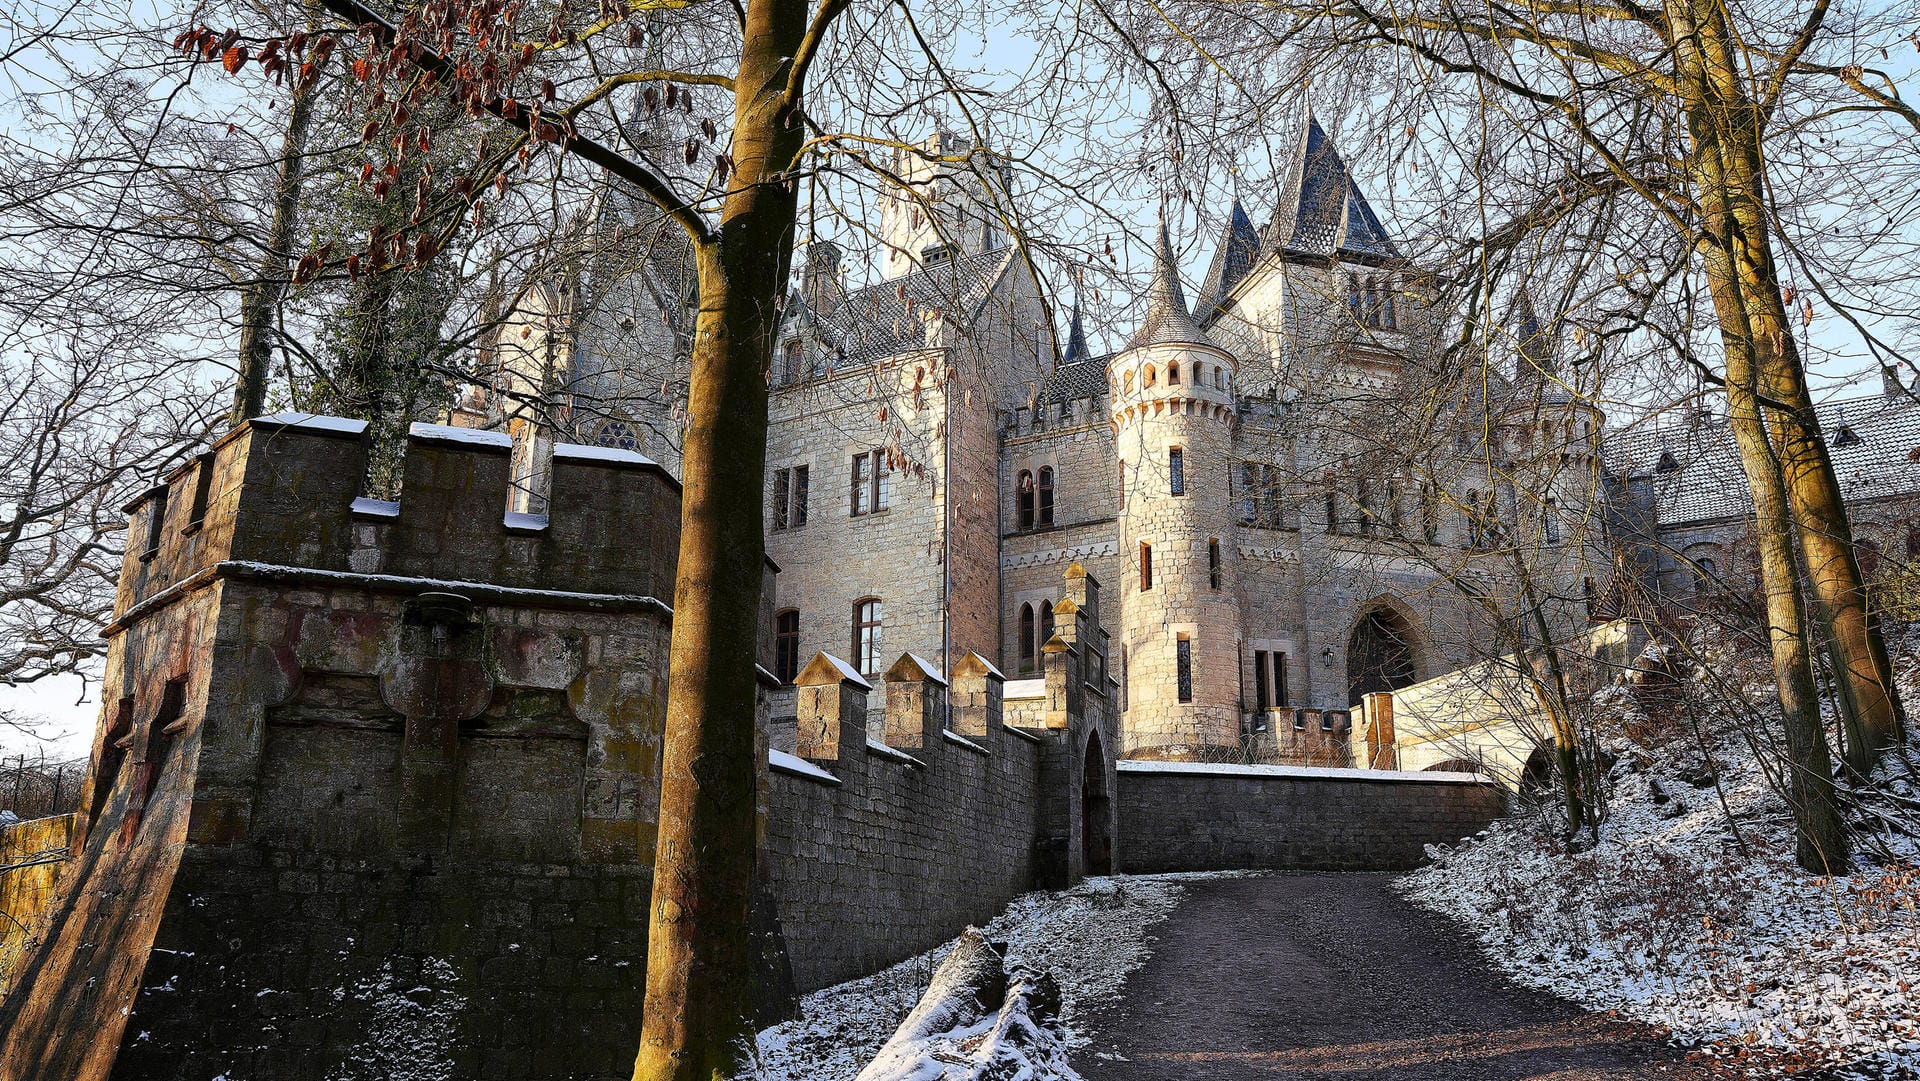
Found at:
[1089, 938]
[1686, 919]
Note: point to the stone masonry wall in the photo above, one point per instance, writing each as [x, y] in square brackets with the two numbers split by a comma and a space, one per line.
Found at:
[32, 854]
[1193, 817]
[374, 791]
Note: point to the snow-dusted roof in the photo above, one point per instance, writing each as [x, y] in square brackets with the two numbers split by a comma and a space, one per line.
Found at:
[1696, 474]
[1325, 773]
[884, 319]
[471, 437]
[579, 452]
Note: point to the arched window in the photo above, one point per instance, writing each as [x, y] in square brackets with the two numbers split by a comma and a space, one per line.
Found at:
[1173, 374]
[1176, 471]
[1044, 510]
[1148, 378]
[1026, 638]
[1023, 496]
[1219, 379]
[866, 635]
[1126, 382]
[786, 644]
[1046, 622]
[1199, 374]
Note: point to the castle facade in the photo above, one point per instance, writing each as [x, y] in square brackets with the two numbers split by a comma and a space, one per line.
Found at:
[1286, 492]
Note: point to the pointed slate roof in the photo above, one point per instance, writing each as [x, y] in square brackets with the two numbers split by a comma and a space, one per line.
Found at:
[1076, 348]
[1323, 211]
[1168, 321]
[1239, 247]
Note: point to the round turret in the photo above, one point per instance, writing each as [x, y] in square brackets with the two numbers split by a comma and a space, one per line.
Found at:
[1173, 412]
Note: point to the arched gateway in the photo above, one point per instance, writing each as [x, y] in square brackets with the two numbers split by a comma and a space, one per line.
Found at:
[1096, 811]
[1380, 654]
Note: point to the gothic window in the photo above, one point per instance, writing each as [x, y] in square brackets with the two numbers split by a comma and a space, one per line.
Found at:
[1046, 622]
[1044, 510]
[866, 636]
[1213, 563]
[786, 644]
[1176, 471]
[790, 361]
[618, 434]
[1024, 500]
[1146, 566]
[1026, 637]
[1183, 667]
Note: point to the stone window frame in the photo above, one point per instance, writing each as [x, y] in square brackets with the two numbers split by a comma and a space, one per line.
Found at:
[1146, 566]
[786, 645]
[1176, 470]
[1183, 666]
[1276, 650]
[1214, 564]
[792, 495]
[869, 487]
[866, 647]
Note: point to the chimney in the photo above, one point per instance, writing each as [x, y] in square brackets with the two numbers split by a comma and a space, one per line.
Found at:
[822, 288]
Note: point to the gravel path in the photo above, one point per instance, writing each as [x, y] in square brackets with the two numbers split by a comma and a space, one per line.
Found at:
[1334, 976]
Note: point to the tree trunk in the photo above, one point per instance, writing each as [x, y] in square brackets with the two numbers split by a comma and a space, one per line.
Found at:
[697, 1025]
[261, 296]
[1821, 843]
[1728, 173]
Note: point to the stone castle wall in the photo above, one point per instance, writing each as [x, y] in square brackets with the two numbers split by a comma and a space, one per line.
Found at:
[339, 823]
[1202, 817]
[32, 854]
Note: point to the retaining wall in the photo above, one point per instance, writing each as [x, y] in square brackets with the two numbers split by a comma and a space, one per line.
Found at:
[1196, 817]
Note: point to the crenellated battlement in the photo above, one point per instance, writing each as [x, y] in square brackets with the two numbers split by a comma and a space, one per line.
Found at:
[284, 492]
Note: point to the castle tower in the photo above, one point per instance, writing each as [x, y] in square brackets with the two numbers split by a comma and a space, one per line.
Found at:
[1173, 417]
[948, 212]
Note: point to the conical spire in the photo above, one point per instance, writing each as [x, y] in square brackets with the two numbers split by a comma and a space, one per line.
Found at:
[1168, 321]
[1076, 348]
[1239, 248]
[1533, 358]
[1321, 210]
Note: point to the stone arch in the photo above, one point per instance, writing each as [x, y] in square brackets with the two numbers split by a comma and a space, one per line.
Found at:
[1456, 765]
[1386, 648]
[1096, 809]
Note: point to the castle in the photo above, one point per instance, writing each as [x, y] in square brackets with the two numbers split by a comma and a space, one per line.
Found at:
[1287, 492]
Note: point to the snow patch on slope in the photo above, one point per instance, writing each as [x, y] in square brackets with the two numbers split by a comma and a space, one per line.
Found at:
[1089, 938]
